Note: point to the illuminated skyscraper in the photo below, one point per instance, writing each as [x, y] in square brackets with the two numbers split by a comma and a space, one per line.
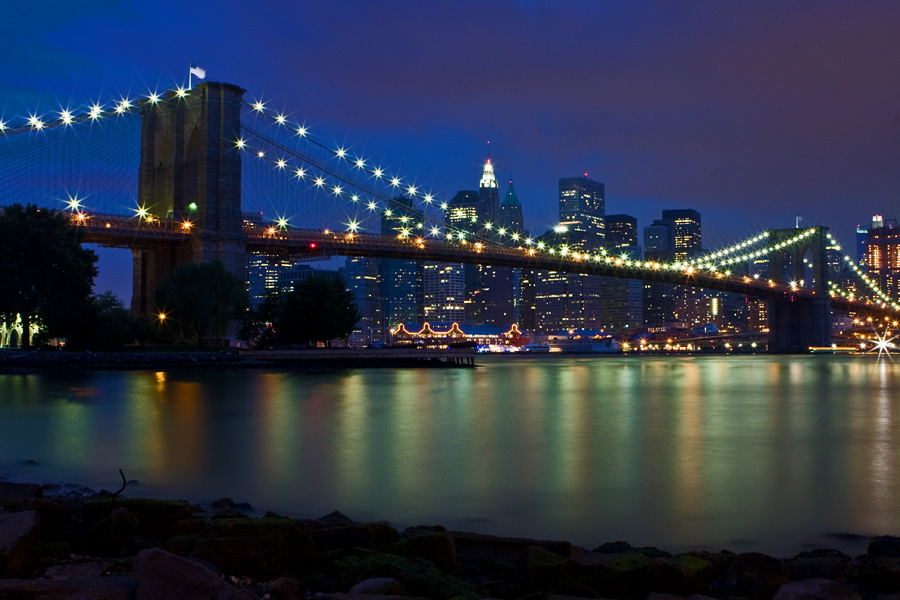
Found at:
[883, 256]
[622, 300]
[582, 208]
[675, 237]
[488, 195]
[444, 293]
[401, 280]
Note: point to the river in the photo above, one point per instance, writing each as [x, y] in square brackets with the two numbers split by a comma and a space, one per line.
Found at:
[776, 454]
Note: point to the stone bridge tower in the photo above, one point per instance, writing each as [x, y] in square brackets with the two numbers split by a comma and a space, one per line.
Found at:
[797, 323]
[190, 169]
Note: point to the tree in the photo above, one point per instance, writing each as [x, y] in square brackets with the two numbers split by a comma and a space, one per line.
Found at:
[105, 325]
[319, 309]
[200, 298]
[46, 276]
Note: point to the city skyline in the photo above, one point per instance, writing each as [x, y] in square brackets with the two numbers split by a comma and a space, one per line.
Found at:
[750, 114]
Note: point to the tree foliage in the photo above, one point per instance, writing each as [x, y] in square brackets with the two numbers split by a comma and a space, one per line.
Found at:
[199, 299]
[319, 309]
[46, 276]
[105, 325]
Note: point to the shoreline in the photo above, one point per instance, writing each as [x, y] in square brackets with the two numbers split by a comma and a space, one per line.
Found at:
[68, 535]
[16, 361]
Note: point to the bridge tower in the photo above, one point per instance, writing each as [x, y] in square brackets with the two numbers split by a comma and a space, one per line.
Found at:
[797, 323]
[190, 169]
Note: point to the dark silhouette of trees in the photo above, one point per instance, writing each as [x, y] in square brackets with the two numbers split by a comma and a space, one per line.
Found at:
[199, 299]
[46, 276]
[319, 309]
[105, 324]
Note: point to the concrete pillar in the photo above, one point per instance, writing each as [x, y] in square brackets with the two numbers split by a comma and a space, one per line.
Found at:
[190, 169]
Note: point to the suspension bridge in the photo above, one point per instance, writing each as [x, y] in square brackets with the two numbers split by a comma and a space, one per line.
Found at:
[174, 177]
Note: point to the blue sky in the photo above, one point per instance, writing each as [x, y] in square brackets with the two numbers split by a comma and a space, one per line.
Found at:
[749, 112]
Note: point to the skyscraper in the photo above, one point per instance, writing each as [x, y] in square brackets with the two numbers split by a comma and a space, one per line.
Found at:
[883, 256]
[444, 293]
[510, 217]
[622, 300]
[488, 196]
[401, 280]
[675, 237]
[582, 208]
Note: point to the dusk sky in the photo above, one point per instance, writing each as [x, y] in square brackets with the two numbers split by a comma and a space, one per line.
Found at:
[748, 112]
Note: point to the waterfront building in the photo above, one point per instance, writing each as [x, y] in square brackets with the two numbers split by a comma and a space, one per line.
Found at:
[443, 335]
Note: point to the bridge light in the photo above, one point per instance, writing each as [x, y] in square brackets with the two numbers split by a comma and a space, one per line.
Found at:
[444, 206]
[488, 226]
[240, 143]
[261, 154]
[501, 231]
[320, 182]
[270, 231]
[340, 152]
[515, 236]
[162, 317]
[411, 190]
[282, 223]
[337, 190]
[301, 131]
[35, 122]
[153, 98]
[372, 205]
[355, 198]
[435, 231]
[187, 225]
[299, 173]
[281, 163]
[377, 173]
[95, 111]
[181, 92]
[259, 106]
[2, 126]
[360, 163]
[395, 182]
[124, 105]
[66, 117]
[388, 212]
[280, 119]
[428, 198]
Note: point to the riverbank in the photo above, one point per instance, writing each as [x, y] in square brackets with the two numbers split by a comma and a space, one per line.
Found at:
[16, 361]
[70, 542]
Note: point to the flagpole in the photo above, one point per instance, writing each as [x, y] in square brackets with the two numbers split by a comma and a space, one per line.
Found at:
[190, 81]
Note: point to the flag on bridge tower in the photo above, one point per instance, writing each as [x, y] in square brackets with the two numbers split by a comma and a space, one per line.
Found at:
[198, 72]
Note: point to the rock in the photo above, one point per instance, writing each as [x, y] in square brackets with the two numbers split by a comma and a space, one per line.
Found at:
[481, 548]
[14, 495]
[610, 575]
[161, 576]
[663, 596]
[379, 536]
[419, 577]
[84, 568]
[286, 588]
[20, 543]
[339, 596]
[278, 547]
[885, 545]
[815, 589]
[223, 503]
[114, 535]
[751, 574]
[682, 574]
[438, 547]
[56, 521]
[878, 573]
[821, 564]
[381, 586]
[155, 518]
[95, 588]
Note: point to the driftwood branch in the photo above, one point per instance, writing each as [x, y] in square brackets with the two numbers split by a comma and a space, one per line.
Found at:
[121, 489]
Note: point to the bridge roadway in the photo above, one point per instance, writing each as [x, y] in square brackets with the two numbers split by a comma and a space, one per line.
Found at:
[131, 232]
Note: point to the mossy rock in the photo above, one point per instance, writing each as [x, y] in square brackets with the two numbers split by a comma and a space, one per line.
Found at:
[537, 556]
[691, 562]
[262, 549]
[113, 535]
[373, 536]
[624, 576]
[419, 577]
[438, 547]
[155, 517]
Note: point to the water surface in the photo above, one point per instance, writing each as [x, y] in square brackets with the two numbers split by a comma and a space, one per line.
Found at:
[773, 454]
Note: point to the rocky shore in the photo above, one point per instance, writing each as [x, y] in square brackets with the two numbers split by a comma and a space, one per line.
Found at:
[71, 543]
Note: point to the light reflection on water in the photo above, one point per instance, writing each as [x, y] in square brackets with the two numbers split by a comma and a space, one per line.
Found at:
[751, 453]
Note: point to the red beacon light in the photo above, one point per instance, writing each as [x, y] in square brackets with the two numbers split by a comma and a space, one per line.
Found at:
[313, 245]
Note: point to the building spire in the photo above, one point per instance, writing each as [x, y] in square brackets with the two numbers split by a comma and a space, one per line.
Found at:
[511, 199]
[487, 178]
